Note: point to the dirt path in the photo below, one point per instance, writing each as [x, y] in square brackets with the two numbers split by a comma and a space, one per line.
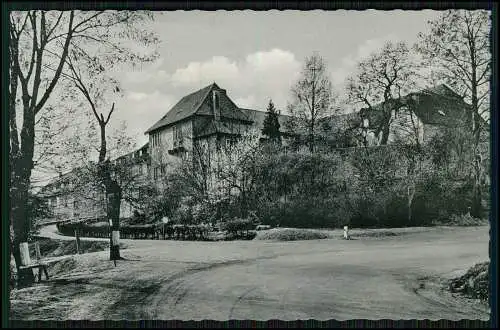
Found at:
[394, 278]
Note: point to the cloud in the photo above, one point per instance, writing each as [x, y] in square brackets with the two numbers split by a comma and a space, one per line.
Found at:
[217, 68]
[250, 82]
[141, 110]
[348, 64]
[134, 96]
[246, 102]
[264, 74]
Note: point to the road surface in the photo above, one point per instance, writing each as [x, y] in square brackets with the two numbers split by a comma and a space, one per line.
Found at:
[396, 277]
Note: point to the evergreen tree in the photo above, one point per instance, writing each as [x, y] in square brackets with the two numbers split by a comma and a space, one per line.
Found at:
[271, 125]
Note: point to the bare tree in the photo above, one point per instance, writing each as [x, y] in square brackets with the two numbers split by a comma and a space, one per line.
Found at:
[39, 44]
[312, 97]
[458, 47]
[238, 168]
[381, 80]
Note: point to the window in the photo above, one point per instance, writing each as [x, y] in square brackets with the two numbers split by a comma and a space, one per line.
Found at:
[75, 205]
[177, 131]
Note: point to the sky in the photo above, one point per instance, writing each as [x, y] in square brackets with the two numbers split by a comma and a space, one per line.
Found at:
[255, 55]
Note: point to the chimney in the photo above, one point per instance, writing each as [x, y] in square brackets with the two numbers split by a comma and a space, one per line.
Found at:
[216, 105]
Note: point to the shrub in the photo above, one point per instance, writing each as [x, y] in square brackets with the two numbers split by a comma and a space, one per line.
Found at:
[238, 225]
[474, 283]
[462, 220]
[291, 234]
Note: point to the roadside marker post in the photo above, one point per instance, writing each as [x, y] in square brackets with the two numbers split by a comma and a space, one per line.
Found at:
[165, 221]
[346, 232]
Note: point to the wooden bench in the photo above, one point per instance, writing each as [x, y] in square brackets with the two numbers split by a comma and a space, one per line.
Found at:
[38, 263]
[42, 267]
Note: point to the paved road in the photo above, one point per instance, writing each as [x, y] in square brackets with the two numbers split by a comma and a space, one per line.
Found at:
[394, 277]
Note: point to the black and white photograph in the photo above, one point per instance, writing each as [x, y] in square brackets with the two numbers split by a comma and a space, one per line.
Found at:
[249, 165]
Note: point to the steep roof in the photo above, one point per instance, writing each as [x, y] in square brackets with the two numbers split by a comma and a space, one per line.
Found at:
[438, 105]
[193, 103]
[186, 107]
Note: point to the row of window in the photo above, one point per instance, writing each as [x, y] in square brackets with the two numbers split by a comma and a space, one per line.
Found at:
[177, 135]
[155, 139]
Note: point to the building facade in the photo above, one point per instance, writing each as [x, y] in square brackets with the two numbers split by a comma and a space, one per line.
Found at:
[205, 123]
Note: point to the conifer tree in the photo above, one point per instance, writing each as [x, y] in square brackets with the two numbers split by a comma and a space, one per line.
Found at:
[271, 126]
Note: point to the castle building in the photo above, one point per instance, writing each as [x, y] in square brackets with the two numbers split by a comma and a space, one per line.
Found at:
[202, 124]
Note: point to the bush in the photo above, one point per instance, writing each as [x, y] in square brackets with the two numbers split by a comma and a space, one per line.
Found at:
[291, 234]
[475, 283]
[238, 225]
[462, 220]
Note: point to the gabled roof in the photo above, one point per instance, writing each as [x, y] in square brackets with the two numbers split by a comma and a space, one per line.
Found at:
[442, 90]
[438, 105]
[185, 108]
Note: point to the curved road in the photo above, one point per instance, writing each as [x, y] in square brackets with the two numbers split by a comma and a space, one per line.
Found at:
[396, 277]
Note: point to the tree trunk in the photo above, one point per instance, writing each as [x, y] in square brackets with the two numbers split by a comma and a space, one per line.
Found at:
[20, 226]
[113, 193]
[476, 207]
[411, 194]
[21, 161]
[385, 130]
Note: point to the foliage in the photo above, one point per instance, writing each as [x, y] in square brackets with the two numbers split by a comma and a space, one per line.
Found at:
[238, 225]
[458, 46]
[38, 209]
[475, 283]
[462, 220]
[271, 125]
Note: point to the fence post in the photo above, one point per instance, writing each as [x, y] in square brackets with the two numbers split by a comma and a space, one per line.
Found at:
[37, 251]
[25, 254]
[77, 239]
